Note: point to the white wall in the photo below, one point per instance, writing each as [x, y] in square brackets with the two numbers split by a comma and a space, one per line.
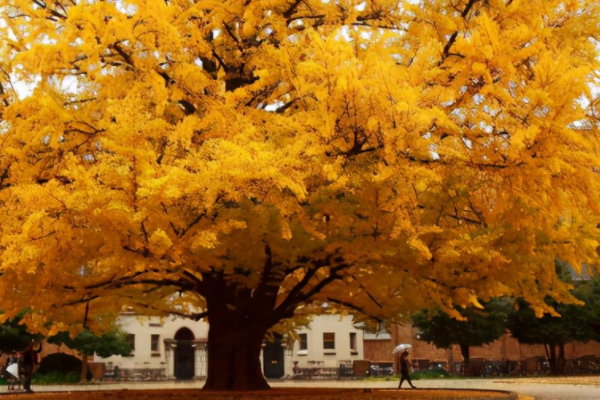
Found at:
[143, 328]
[342, 327]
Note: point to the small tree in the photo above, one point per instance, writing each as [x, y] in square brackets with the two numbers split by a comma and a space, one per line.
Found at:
[112, 342]
[571, 323]
[590, 294]
[479, 327]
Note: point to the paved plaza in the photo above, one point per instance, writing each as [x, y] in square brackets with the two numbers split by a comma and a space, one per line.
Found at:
[547, 389]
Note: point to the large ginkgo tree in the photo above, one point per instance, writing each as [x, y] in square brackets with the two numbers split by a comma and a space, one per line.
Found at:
[252, 157]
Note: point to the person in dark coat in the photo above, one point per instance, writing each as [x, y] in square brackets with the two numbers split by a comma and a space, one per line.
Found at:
[405, 370]
[30, 360]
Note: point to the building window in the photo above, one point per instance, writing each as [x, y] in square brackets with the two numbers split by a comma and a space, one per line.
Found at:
[130, 337]
[154, 340]
[328, 340]
[303, 338]
[353, 342]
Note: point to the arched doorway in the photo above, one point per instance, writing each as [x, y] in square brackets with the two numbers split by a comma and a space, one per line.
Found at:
[273, 360]
[184, 354]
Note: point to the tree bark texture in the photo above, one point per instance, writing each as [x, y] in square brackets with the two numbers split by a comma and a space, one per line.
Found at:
[552, 360]
[238, 319]
[562, 361]
[234, 346]
[465, 351]
[557, 361]
[84, 367]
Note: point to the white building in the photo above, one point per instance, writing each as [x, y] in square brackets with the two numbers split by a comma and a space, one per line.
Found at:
[169, 347]
[175, 348]
[328, 341]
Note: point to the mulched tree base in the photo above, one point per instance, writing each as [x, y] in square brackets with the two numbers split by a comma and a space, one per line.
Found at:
[275, 394]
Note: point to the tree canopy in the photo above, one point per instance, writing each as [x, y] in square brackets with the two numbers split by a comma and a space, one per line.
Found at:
[475, 328]
[106, 344]
[14, 335]
[590, 294]
[262, 155]
[575, 324]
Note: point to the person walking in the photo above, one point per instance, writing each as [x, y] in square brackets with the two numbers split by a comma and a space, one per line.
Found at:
[405, 370]
[13, 382]
[29, 362]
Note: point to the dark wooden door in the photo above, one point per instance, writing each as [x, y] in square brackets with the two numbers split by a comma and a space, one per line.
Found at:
[273, 359]
[184, 360]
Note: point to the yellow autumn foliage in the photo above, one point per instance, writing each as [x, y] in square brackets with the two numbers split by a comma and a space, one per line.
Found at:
[372, 155]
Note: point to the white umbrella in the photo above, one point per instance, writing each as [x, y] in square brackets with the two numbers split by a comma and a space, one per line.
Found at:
[13, 369]
[401, 347]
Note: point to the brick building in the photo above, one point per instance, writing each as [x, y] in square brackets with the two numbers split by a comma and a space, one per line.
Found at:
[506, 350]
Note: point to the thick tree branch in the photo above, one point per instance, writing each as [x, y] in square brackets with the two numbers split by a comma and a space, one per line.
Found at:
[221, 62]
[144, 252]
[267, 269]
[281, 109]
[308, 275]
[318, 17]
[182, 284]
[364, 289]
[195, 316]
[201, 288]
[192, 223]
[290, 11]
[297, 296]
[324, 282]
[234, 37]
[52, 11]
[123, 53]
[452, 39]
[80, 301]
[354, 307]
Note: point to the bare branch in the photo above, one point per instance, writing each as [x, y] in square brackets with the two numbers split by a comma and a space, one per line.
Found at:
[288, 13]
[234, 37]
[367, 292]
[52, 11]
[191, 224]
[453, 37]
[122, 53]
[80, 301]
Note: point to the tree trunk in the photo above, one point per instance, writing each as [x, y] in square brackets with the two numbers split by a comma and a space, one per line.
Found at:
[84, 367]
[552, 360]
[234, 346]
[238, 319]
[464, 350]
[561, 361]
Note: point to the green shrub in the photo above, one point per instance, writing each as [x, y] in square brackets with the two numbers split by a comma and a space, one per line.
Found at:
[51, 378]
[435, 373]
[56, 377]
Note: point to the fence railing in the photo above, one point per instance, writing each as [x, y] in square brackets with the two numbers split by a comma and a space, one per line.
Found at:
[136, 374]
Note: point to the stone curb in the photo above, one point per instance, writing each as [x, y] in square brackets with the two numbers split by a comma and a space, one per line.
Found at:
[313, 393]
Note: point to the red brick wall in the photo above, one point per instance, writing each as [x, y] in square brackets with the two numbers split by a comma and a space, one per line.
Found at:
[47, 348]
[505, 348]
[378, 350]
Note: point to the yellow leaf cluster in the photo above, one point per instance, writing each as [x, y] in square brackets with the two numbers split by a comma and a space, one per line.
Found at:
[273, 153]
